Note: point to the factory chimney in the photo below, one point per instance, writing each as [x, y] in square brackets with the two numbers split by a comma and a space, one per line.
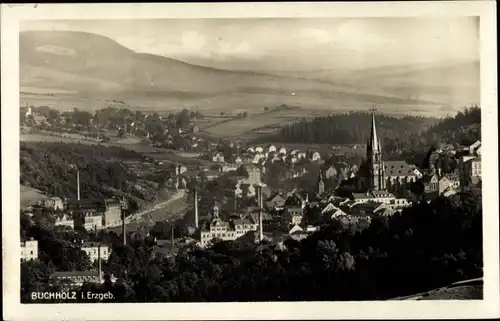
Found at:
[99, 267]
[124, 232]
[259, 198]
[195, 207]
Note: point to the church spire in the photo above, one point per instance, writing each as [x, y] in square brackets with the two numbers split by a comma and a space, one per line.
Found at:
[374, 145]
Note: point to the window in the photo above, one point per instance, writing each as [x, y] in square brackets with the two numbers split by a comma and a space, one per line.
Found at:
[31, 252]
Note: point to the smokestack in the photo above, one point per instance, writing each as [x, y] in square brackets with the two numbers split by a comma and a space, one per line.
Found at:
[78, 184]
[99, 267]
[196, 207]
[124, 233]
[261, 232]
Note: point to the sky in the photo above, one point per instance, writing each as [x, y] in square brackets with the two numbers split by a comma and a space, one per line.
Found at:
[290, 43]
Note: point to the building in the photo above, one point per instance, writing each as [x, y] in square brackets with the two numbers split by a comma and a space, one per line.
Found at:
[29, 250]
[54, 203]
[93, 248]
[320, 188]
[218, 157]
[315, 156]
[330, 172]
[398, 174]
[112, 213]
[64, 220]
[374, 196]
[223, 230]
[375, 164]
[229, 167]
[91, 221]
[293, 215]
[271, 149]
[276, 202]
[470, 170]
[77, 278]
[431, 183]
[254, 174]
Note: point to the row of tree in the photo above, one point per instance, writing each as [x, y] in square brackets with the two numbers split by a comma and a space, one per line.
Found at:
[397, 134]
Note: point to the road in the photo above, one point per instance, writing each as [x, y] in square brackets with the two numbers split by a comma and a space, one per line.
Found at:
[137, 216]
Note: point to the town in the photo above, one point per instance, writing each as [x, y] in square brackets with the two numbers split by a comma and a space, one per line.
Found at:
[264, 194]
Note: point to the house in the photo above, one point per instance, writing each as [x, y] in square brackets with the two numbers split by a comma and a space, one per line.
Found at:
[276, 202]
[282, 151]
[64, 220]
[250, 150]
[254, 174]
[218, 157]
[470, 170]
[294, 229]
[229, 167]
[443, 184]
[301, 155]
[54, 203]
[364, 208]
[315, 156]
[473, 149]
[332, 210]
[292, 215]
[294, 152]
[311, 229]
[398, 174]
[330, 172]
[77, 278]
[448, 182]
[226, 231]
[431, 183]
[271, 149]
[93, 248]
[259, 150]
[384, 210]
[113, 212]
[297, 233]
[29, 250]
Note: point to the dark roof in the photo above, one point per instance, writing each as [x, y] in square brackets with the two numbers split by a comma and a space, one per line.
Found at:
[398, 168]
[92, 244]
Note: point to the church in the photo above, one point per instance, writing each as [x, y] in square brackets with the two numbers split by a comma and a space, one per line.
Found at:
[379, 175]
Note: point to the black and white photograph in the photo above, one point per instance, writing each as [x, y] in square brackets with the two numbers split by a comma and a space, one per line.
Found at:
[216, 159]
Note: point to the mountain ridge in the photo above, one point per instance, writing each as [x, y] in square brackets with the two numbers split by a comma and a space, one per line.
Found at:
[97, 65]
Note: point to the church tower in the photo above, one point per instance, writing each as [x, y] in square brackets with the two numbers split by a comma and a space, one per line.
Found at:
[374, 160]
[321, 184]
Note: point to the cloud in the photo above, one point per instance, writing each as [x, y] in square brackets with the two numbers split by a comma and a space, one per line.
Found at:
[350, 35]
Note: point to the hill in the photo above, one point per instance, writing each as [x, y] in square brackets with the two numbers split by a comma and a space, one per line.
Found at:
[452, 85]
[397, 134]
[63, 68]
[104, 172]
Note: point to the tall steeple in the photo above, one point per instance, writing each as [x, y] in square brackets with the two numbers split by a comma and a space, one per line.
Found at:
[374, 143]
[374, 159]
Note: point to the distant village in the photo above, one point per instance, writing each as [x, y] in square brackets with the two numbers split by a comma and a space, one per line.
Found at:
[263, 207]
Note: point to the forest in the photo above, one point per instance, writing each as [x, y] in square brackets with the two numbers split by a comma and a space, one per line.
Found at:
[397, 134]
[46, 167]
[425, 246]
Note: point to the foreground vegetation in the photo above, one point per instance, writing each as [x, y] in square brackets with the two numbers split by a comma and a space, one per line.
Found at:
[424, 247]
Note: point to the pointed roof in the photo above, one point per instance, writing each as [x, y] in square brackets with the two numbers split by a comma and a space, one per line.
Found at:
[373, 143]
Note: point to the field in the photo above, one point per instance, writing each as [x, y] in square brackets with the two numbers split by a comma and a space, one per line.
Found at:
[29, 195]
[130, 143]
[255, 124]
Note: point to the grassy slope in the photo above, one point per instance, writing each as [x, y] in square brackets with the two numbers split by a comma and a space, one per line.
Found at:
[97, 67]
